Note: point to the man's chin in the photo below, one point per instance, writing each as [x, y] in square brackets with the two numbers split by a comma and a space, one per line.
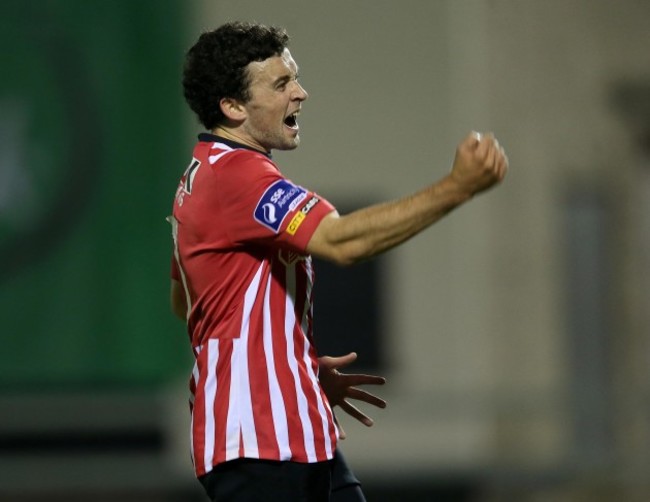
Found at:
[289, 145]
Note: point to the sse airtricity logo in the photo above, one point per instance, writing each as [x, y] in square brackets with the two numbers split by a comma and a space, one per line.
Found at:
[278, 200]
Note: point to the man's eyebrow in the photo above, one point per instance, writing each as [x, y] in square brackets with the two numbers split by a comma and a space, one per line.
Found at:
[283, 79]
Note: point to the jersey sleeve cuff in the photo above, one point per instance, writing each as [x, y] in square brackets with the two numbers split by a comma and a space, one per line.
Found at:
[303, 222]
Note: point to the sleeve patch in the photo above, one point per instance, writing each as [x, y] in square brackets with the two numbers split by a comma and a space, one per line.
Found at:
[297, 220]
[277, 201]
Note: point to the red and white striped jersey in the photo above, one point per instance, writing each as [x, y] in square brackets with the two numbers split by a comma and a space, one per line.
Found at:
[240, 232]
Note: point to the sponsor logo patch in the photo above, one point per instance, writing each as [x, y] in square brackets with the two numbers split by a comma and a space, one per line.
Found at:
[297, 220]
[276, 202]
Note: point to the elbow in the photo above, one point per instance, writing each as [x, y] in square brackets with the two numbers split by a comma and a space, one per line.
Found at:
[335, 244]
[348, 255]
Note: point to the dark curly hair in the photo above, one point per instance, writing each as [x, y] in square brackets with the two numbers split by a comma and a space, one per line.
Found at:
[215, 66]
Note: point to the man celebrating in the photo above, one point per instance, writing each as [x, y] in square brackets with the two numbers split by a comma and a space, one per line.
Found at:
[262, 420]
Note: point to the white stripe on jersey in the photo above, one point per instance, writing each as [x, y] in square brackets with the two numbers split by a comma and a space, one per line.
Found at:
[240, 410]
[289, 323]
[210, 394]
[278, 409]
[220, 146]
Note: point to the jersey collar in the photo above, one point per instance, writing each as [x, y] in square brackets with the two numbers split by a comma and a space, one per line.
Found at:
[210, 138]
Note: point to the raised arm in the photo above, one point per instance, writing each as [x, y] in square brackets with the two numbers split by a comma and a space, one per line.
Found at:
[479, 164]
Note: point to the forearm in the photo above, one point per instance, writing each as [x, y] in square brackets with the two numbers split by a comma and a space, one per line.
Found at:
[370, 231]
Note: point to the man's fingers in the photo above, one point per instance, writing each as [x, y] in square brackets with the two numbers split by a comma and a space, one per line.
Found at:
[330, 362]
[471, 142]
[485, 145]
[480, 162]
[475, 139]
[492, 156]
[342, 434]
[354, 412]
[346, 359]
[360, 379]
[366, 397]
[502, 164]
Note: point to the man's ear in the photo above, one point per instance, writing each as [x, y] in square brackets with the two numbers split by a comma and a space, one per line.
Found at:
[232, 109]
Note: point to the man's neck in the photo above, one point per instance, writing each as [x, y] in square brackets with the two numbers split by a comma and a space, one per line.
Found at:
[227, 133]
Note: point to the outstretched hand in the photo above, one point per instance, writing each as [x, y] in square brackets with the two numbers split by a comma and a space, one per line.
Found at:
[339, 387]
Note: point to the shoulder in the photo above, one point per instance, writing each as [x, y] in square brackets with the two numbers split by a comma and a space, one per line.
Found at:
[241, 163]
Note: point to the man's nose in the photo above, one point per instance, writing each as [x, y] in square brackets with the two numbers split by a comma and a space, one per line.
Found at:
[300, 93]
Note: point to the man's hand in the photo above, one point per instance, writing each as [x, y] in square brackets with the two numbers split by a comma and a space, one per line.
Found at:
[339, 387]
[480, 162]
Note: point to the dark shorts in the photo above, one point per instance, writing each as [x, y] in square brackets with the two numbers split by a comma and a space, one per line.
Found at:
[251, 480]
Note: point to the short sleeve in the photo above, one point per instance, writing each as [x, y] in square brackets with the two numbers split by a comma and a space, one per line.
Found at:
[258, 204]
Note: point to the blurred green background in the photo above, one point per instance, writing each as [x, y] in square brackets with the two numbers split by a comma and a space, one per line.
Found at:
[90, 119]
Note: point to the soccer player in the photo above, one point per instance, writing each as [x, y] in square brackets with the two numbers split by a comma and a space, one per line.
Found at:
[262, 421]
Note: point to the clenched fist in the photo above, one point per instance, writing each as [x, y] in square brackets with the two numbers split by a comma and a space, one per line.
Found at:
[480, 163]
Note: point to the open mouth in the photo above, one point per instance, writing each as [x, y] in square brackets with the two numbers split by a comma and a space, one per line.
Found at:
[292, 121]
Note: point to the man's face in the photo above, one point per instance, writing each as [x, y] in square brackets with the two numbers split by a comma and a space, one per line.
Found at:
[275, 102]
